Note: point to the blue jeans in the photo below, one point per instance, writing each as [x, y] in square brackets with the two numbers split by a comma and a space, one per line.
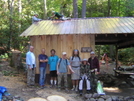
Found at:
[42, 76]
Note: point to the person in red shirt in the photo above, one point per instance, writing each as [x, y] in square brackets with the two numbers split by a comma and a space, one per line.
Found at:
[95, 69]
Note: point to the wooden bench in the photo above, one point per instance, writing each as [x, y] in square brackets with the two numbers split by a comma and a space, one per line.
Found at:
[124, 76]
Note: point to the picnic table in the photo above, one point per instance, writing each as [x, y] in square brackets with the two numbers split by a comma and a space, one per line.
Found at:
[124, 76]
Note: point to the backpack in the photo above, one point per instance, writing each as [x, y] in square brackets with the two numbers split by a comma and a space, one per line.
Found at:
[61, 60]
[78, 57]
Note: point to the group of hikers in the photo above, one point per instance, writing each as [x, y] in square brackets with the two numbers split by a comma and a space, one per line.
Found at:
[54, 15]
[81, 69]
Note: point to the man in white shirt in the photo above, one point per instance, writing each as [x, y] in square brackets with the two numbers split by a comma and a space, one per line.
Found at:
[31, 64]
[35, 18]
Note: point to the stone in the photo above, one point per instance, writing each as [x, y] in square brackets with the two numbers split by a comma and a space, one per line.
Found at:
[114, 98]
[87, 96]
[109, 99]
[95, 95]
[100, 99]
[92, 99]
[56, 98]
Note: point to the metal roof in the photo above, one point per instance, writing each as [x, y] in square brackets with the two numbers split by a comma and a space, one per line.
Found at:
[114, 25]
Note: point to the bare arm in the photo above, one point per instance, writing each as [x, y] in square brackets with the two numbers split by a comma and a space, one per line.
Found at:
[70, 68]
[46, 60]
[57, 68]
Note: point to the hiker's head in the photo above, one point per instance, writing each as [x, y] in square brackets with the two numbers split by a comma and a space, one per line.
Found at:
[75, 52]
[53, 12]
[31, 48]
[84, 61]
[64, 55]
[53, 52]
[43, 51]
[92, 54]
[36, 15]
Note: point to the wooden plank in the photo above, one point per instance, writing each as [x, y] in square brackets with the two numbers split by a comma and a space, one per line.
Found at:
[59, 42]
[92, 42]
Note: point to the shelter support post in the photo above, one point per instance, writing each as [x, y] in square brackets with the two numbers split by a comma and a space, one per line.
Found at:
[116, 57]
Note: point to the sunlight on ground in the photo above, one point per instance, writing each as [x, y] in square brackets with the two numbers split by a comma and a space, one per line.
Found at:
[112, 89]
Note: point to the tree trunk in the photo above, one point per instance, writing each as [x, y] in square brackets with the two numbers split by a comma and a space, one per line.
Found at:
[75, 9]
[109, 8]
[10, 7]
[45, 9]
[84, 9]
[20, 10]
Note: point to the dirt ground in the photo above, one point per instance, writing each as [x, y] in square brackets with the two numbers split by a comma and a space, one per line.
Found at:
[17, 87]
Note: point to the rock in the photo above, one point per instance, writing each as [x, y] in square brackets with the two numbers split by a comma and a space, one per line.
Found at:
[87, 100]
[105, 97]
[114, 98]
[100, 99]
[92, 99]
[87, 96]
[56, 98]
[120, 98]
[95, 95]
[126, 98]
[109, 99]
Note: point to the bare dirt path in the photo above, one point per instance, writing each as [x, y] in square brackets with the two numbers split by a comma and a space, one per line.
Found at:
[17, 87]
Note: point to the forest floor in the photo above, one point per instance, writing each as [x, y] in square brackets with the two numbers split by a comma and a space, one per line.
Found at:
[16, 85]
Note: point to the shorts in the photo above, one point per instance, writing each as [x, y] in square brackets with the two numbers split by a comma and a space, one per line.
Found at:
[53, 73]
[76, 74]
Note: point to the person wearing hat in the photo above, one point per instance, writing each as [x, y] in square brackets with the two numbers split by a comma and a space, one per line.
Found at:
[84, 75]
[95, 69]
[35, 18]
[58, 15]
[62, 69]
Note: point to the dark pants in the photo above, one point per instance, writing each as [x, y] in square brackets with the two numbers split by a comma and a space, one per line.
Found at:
[93, 80]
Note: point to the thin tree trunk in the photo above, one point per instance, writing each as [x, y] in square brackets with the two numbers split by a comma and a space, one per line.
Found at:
[10, 7]
[75, 9]
[20, 10]
[109, 8]
[84, 9]
[45, 9]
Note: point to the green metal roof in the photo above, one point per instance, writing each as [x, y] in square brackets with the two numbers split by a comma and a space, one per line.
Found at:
[115, 25]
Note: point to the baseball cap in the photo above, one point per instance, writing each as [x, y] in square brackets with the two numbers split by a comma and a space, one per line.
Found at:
[84, 60]
[63, 53]
[92, 52]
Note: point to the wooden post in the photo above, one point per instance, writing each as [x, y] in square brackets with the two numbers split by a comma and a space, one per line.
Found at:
[116, 57]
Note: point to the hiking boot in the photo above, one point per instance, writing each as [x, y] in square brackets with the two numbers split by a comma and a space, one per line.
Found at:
[76, 89]
[73, 89]
[66, 89]
[51, 86]
[80, 91]
[88, 91]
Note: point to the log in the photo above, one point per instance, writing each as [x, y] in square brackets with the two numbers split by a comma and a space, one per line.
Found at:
[56, 98]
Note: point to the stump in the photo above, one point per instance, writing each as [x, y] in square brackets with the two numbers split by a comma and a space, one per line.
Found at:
[56, 98]
[37, 99]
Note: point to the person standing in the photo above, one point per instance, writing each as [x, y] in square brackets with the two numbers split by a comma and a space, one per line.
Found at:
[43, 59]
[31, 64]
[95, 69]
[62, 69]
[106, 59]
[35, 18]
[75, 64]
[85, 74]
[52, 61]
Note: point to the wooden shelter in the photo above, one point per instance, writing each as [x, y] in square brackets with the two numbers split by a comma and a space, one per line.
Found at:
[77, 33]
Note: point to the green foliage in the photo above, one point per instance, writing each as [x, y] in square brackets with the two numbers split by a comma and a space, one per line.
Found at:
[14, 22]
[126, 55]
